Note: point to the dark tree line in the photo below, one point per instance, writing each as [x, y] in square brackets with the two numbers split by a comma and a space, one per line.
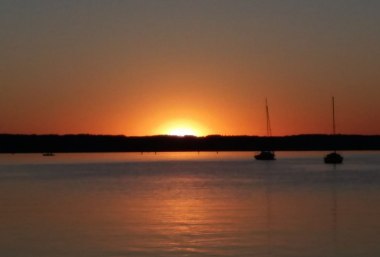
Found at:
[10, 143]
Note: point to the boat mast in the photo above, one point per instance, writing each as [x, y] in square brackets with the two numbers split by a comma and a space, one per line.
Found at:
[333, 114]
[334, 129]
[269, 129]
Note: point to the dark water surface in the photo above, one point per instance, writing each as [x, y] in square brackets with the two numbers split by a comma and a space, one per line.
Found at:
[189, 204]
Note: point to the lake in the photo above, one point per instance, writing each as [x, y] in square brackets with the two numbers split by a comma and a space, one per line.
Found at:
[189, 204]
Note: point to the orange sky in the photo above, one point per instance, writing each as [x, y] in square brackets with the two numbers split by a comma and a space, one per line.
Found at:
[149, 68]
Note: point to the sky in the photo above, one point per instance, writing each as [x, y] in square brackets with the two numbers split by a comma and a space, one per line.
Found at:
[149, 67]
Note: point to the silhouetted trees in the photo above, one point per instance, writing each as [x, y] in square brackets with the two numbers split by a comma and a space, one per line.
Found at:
[102, 143]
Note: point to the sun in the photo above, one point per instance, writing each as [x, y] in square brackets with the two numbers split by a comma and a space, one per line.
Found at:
[182, 131]
[181, 127]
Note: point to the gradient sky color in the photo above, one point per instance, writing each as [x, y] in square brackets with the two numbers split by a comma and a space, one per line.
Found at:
[146, 67]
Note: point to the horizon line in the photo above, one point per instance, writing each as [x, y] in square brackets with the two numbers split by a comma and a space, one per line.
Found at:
[180, 136]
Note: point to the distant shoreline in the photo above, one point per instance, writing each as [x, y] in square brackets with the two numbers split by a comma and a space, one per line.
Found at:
[12, 143]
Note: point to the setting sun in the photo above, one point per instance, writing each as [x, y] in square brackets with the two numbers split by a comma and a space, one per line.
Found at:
[182, 128]
[182, 132]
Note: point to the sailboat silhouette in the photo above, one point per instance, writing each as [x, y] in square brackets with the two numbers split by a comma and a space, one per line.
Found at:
[266, 155]
[334, 157]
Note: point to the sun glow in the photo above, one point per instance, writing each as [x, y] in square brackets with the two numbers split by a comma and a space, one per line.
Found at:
[182, 128]
[182, 132]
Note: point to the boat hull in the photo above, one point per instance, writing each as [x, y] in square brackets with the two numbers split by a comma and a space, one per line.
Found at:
[265, 156]
[333, 158]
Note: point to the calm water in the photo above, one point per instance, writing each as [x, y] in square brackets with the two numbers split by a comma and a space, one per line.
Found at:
[189, 204]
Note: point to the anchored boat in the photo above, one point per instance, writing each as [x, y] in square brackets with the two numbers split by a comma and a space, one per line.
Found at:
[334, 157]
[266, 155]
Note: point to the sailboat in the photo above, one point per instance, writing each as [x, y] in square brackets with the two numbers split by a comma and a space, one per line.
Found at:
[334, 157]
[266, 155]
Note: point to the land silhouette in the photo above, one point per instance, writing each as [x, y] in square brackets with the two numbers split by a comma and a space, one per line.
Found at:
[12, 143]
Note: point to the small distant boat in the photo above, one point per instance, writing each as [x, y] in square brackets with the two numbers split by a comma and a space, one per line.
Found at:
[334, 157]
[266, 155]
[48, 154]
